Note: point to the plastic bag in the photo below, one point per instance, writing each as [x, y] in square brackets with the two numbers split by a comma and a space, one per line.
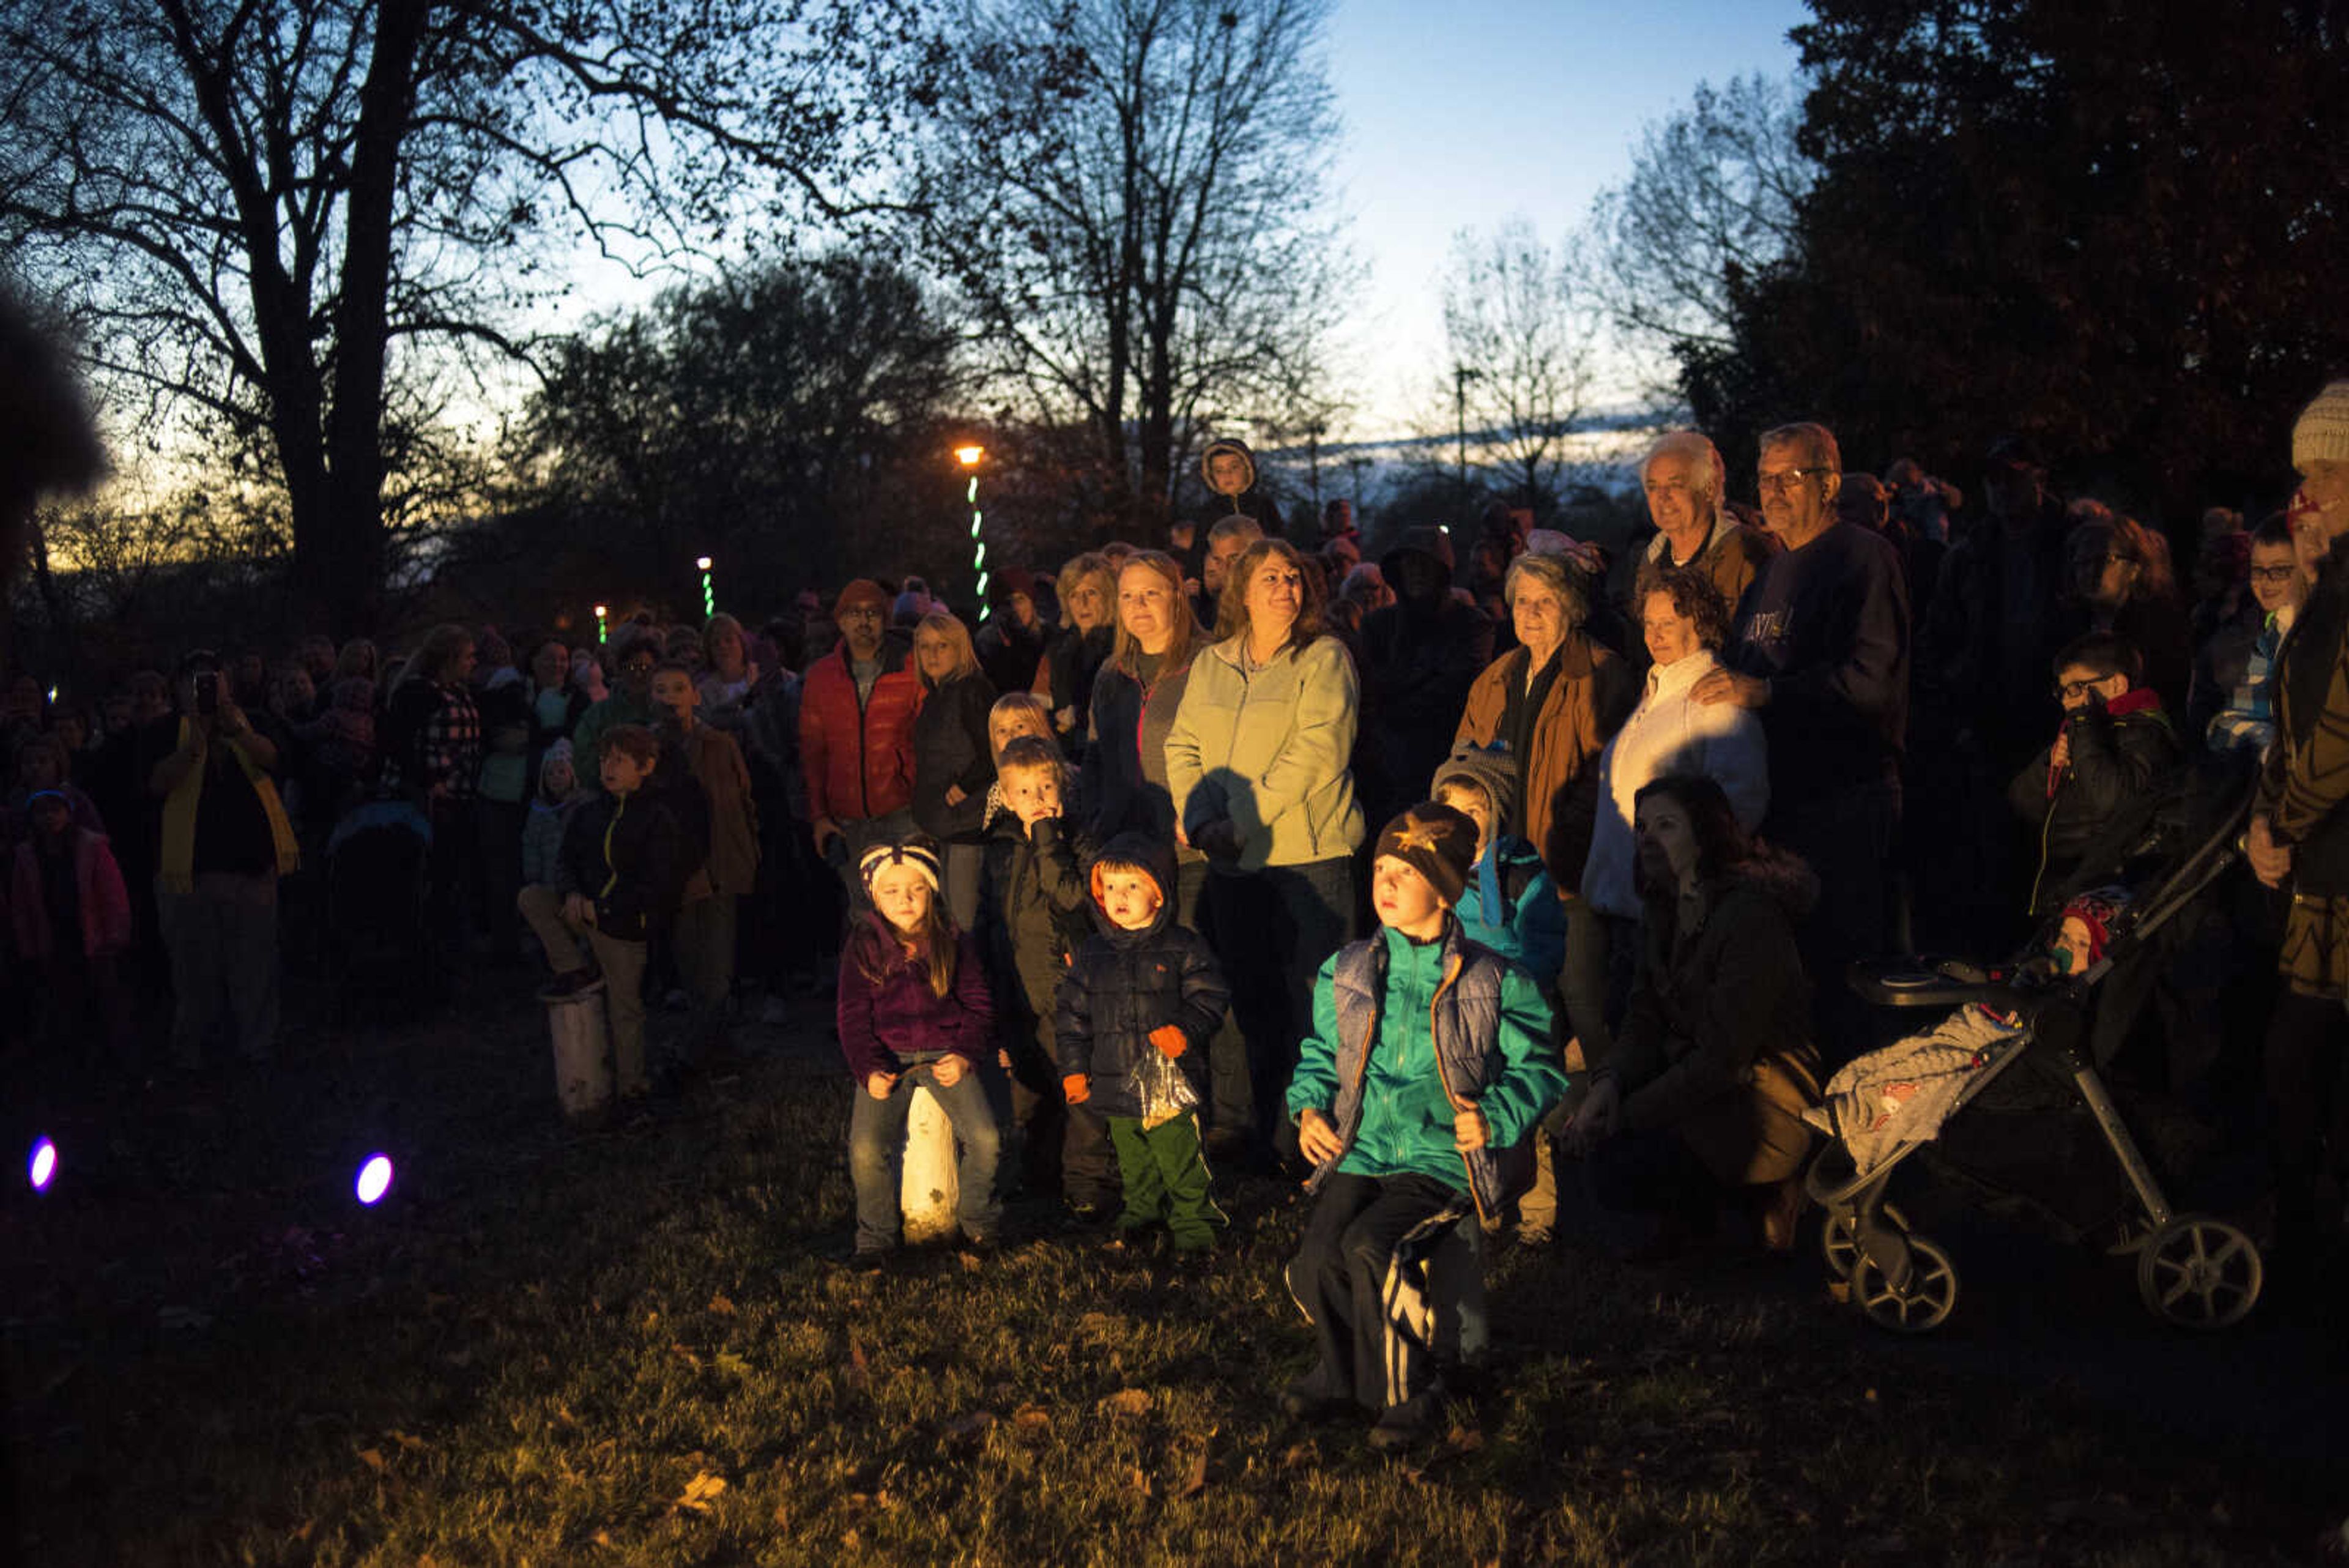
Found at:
[1164, 1090]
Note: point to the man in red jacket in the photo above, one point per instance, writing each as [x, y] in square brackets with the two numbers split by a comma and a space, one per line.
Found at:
[856, 736]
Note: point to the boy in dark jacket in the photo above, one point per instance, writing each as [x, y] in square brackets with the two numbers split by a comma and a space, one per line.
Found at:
[2091, 788]
[1140, 1003]
[1429, 1060]
[620, 876]
[1032, 903]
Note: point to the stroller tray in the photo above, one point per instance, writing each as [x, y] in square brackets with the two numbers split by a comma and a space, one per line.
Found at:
[1930, 981]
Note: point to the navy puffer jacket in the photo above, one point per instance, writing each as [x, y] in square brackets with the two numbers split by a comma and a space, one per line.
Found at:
[1123, 984]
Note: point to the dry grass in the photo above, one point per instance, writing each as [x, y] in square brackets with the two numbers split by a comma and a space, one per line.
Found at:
[630, 1349]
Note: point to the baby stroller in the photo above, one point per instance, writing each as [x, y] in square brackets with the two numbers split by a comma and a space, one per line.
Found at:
[377, 884]
[2192, 1271]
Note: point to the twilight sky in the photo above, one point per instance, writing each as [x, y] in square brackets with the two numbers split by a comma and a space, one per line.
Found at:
[1464, 112]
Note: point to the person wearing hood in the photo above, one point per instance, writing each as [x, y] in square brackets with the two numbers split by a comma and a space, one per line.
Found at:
[1229, 469]
[1142, 998]
[1509, 904]
[857, 705]
[1702, 1095]
[2091, 790]
[1428, 1065]
[1420, 656]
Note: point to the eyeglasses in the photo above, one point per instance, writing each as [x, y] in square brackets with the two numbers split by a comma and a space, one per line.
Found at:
[1787, 478]
[859, 612]
[2072, 690]
[637, 667]
[2276, 574]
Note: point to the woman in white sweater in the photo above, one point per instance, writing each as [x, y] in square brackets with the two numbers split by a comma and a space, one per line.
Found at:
[1684, 619]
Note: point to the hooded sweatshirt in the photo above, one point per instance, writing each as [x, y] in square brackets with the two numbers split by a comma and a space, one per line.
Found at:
[1123, 984]
[1250, 502]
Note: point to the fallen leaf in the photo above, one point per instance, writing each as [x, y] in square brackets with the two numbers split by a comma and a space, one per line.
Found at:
[722, 1307]
[1466, 1440]
[858, 1372]
[691, 1359]
[1297, 1454]
[1032, 1422]
[852, 1541]
[1141, 1482]
[405, 1441]
[1195, 1477]
[700, 1491]
[1128, 1402]
[374, 1458]
[963, 1428]
[728, 1362]
[302, 1532]
[603, 1537]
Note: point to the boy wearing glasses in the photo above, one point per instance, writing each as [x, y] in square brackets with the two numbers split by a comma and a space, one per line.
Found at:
[2092, 787]
[2232, 708]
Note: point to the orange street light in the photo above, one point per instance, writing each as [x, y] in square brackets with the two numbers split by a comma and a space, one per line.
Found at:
[968, 456]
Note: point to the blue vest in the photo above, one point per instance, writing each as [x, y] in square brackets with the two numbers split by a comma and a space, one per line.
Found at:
[1465, 1023]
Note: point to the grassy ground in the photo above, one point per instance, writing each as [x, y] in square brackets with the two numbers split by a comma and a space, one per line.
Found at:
[629, 1348]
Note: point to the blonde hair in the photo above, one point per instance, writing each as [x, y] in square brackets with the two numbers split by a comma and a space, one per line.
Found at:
[1178, 605]
[1034, 709]
[958, 637]
[1092, 567]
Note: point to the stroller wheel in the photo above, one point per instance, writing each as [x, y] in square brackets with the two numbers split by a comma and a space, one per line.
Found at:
[1839, 1237]
[2199, 1273]
[1919, 1301]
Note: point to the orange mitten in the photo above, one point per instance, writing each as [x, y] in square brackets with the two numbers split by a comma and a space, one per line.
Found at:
[1076, 1088]
[1169, 1041]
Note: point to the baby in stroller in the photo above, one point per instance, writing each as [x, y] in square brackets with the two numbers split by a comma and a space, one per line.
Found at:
[1881, 1108]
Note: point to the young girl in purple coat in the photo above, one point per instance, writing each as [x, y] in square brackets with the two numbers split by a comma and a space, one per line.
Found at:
[914, 1011]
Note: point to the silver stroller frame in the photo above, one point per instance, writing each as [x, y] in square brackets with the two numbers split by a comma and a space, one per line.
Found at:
[2192, 1271]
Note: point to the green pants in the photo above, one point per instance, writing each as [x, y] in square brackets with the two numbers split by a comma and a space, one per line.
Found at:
[1166, 1177]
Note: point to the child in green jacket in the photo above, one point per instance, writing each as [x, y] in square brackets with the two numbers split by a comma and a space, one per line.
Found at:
[1430, 1063]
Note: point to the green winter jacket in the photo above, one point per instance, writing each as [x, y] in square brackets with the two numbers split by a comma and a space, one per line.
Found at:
[1401, 1121]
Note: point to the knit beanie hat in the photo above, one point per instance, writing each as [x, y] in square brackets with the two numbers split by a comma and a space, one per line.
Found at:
[558, 751]
[2321, 434]
[1010, 582]
[918, 853]
[862, 591]
[2096, 911]
[1491, 769]
[1435, 841]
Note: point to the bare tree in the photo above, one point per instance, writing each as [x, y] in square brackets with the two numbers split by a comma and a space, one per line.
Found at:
[1711, 201]
[285, 213]
[1132, 194]
[1520, 336]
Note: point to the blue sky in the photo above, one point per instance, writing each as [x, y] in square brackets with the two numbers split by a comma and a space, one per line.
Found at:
[1464, 113]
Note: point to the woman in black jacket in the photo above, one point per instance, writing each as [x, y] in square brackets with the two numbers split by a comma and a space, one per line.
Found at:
[952, 763]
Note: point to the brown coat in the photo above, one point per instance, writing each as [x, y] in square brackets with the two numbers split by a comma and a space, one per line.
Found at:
[1732, 556]
[1559, 774]
[1716, 1043]
[716, 762]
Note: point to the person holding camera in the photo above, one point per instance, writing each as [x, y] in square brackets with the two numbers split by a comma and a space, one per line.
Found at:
[2092, 786]
[224, 842]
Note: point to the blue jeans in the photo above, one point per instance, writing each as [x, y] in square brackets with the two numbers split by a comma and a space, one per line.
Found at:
[876, 1147]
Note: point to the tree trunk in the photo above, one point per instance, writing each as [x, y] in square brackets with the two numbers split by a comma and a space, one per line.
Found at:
[345, 575]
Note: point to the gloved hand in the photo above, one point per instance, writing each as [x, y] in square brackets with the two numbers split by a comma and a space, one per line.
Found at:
[1076, 1088]
[1169, 1041]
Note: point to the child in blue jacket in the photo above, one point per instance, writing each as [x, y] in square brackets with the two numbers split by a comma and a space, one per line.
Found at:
[1509, 904]
[1430, 1062]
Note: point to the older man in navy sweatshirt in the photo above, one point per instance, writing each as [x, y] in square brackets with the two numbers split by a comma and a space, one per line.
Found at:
[1821, 653]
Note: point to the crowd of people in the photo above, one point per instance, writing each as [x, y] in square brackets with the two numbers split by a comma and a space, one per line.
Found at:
[1429, 878]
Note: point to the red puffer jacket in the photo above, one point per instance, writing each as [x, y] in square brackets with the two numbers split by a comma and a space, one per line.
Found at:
[858, 758]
